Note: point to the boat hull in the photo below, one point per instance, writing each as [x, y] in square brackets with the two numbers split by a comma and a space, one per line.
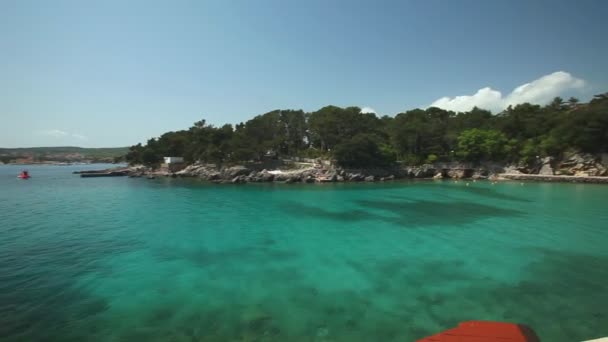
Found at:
[485, 331]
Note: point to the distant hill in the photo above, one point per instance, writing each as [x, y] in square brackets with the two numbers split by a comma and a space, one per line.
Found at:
[62, 154]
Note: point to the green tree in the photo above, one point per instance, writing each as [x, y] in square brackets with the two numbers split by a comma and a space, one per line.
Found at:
[150, 158]
[530, 151]
[599, 98]
[573, 102]
[557, 103]
[295, 135]
[363, 150]
[482, 145]
[135, 154]
[523, 121]
[585, 130]
[417, 133]
[264, 133]
[173, 144]
[331, 125]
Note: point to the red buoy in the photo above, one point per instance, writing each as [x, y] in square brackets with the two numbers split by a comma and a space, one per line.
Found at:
[484, 331]
[24, 175]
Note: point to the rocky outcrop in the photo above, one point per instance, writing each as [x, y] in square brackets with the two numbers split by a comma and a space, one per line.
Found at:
[575, 164]
[204, 171]
[241, 174]
[546, 169]
[294, 176]
[423, 171]
[239, 179]
[262, 176]
[456, 173]
[582, 164]
[234, 171]
[355, 177]
[514, 169]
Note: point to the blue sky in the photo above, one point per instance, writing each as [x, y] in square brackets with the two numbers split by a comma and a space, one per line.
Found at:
[114, 73]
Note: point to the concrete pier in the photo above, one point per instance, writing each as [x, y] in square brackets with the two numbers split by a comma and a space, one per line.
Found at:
[104, 174]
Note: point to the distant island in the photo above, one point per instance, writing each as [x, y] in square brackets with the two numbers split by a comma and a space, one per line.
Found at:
[562, 138]
[62, 155]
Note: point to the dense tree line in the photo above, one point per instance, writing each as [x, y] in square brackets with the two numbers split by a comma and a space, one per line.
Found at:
[520, 133]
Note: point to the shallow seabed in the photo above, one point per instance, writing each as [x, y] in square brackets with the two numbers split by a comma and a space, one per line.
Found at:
[118, 259]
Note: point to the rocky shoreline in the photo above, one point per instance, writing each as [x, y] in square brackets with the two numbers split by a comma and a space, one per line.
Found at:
[576, 168]
[552, 178]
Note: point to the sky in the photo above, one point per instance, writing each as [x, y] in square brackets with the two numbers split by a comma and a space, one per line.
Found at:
[115, 73]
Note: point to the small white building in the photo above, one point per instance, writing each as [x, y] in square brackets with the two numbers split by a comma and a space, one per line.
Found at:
[174, 164]
[174, 160]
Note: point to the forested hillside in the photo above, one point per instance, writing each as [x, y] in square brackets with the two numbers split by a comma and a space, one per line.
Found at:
[520, 133]
[63, 154]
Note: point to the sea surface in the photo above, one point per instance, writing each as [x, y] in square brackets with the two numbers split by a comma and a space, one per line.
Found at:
[132, 259]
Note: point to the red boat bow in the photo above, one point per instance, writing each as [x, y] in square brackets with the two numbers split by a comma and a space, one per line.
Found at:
[484, 331]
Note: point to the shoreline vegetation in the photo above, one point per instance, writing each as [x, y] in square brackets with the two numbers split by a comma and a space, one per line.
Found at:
[59, 163]
[333, 144]
[63, 155]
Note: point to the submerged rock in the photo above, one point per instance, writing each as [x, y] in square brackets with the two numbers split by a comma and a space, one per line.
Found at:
[322, 332]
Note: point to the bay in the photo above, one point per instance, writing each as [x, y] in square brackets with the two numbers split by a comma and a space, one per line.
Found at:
[120, 259]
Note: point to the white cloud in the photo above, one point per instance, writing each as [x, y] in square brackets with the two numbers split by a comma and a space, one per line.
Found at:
[55, 133]
[368, 110]
[63, 135]
[539, 91]
[79, 136]
[486, 98]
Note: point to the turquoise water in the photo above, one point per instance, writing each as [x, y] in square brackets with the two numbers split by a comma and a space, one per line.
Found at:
[119, 259]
